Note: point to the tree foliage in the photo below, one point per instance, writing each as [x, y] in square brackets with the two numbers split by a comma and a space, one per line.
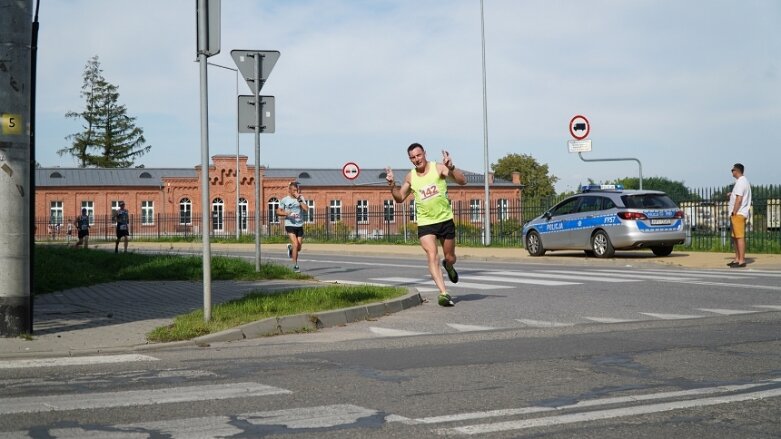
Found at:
[109, 137]
[534, 176]
[677, 190]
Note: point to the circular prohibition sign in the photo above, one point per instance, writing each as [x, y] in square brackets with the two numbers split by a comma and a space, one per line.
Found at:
[350, 171]
[579, 123]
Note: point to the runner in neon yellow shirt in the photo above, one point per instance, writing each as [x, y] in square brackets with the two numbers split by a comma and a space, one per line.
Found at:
[428, 181]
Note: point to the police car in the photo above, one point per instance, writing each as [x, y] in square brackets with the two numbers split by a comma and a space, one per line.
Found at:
[604, 218]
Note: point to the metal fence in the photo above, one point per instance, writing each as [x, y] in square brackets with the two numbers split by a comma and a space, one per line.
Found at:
[705, 210]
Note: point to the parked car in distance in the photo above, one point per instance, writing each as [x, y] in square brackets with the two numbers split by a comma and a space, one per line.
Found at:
[604, 218]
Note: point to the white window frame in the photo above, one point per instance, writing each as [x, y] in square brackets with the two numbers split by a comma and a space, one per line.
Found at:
[271, 214]
[56, 211]
[186, 209]
[502, 209]
[388, 210]
[90, 206]
[362, 212]
[243, 212]
[335, 211]
[218, 220]
[309, 215]
[474, 211]
[147, 213]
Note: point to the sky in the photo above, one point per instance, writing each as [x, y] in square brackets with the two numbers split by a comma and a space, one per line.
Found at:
[686, 87]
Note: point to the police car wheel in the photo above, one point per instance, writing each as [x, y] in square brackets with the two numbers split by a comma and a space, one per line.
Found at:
[534, 244]
[662, 250]
[601, 245]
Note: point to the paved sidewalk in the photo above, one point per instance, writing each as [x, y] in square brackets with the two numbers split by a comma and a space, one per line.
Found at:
[117, 316]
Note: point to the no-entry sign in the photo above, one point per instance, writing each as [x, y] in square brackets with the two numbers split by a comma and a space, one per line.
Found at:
[350, 171]
[579, 127]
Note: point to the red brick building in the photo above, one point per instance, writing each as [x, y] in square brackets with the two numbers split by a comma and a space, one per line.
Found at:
[167, 201]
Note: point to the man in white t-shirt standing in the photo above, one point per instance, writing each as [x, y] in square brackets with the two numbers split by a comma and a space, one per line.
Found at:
[739, 207]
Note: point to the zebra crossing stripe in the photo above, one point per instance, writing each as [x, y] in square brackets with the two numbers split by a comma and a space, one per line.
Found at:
[469, 328]
[417, 281]
[294, 420]
[670, 316]
[727, 312]
[544, 323]
[387, 332]
[562, 276]
[774, 307]
[84, 401]
[515, 280]
[74, 361]
[635, 275]
[608, 320]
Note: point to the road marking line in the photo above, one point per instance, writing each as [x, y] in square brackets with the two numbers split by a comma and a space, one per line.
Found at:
[387, 332]
[221, 426]
[562, 276]
[586, 403]
[727, 312]
[54, 403]
[514, 280]
[468, 328]
[636, 275]
[543, 323]
[608, 413]
[670, 316]
[776, 307]
[724, 284]
[608, 320]
[714, 273]
[74, 361]
[418, 281]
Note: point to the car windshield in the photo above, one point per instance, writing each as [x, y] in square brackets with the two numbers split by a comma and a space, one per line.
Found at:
[648, 201]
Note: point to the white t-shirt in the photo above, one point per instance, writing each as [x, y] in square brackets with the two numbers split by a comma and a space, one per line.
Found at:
[743, 188]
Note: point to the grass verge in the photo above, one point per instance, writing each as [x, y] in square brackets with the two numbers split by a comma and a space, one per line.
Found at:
[258, 305]
[58, 268]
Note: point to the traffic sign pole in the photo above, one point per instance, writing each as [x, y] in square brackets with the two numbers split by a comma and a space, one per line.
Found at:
[258, 85]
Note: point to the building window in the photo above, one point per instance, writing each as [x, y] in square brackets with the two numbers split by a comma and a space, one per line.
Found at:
[243, 209]
[309, 215]
[90, 206]
[362, 211]
[388, 210]
[273, 205]
[412, 216]
[218, 209]
[114, 205]
[474, 211]
[147, 213]
[185, 211]
[335, 211]
[55, 213]
[502, 210]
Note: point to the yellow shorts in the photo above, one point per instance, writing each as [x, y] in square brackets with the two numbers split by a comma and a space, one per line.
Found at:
[738, 223]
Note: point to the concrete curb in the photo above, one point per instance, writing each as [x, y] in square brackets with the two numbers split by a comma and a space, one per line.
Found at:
[309, 322]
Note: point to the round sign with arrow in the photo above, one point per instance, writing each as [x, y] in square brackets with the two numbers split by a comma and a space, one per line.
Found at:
[350, 171]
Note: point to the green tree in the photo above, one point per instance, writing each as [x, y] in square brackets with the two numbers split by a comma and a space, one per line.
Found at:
[109, 137]
[677, 190]
[534, 176]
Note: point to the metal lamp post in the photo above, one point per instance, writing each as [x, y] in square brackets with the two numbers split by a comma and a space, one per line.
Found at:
[238, 226]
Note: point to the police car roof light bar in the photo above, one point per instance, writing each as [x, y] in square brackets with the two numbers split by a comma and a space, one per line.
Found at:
[601, 187]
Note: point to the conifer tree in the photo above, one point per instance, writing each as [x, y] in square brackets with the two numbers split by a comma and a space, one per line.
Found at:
[109, 137]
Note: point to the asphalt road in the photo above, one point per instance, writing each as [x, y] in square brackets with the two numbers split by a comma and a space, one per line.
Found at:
[649, 353]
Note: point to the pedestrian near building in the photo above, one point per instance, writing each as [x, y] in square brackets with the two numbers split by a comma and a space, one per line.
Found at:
[82, 228]
[291, 208]
[434, 214]
[122, 218]
[739, 210]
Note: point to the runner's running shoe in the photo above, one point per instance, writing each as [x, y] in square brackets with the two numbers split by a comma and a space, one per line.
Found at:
[445, 300]
[451, 272]
[296, 269]
[290, 251]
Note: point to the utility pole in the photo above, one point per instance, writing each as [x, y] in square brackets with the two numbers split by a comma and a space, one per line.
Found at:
[15, 101]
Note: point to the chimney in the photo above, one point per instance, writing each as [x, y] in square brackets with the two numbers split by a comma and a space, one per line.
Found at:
[516, 177]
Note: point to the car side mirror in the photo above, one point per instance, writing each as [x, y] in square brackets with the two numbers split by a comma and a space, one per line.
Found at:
[547, 215]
